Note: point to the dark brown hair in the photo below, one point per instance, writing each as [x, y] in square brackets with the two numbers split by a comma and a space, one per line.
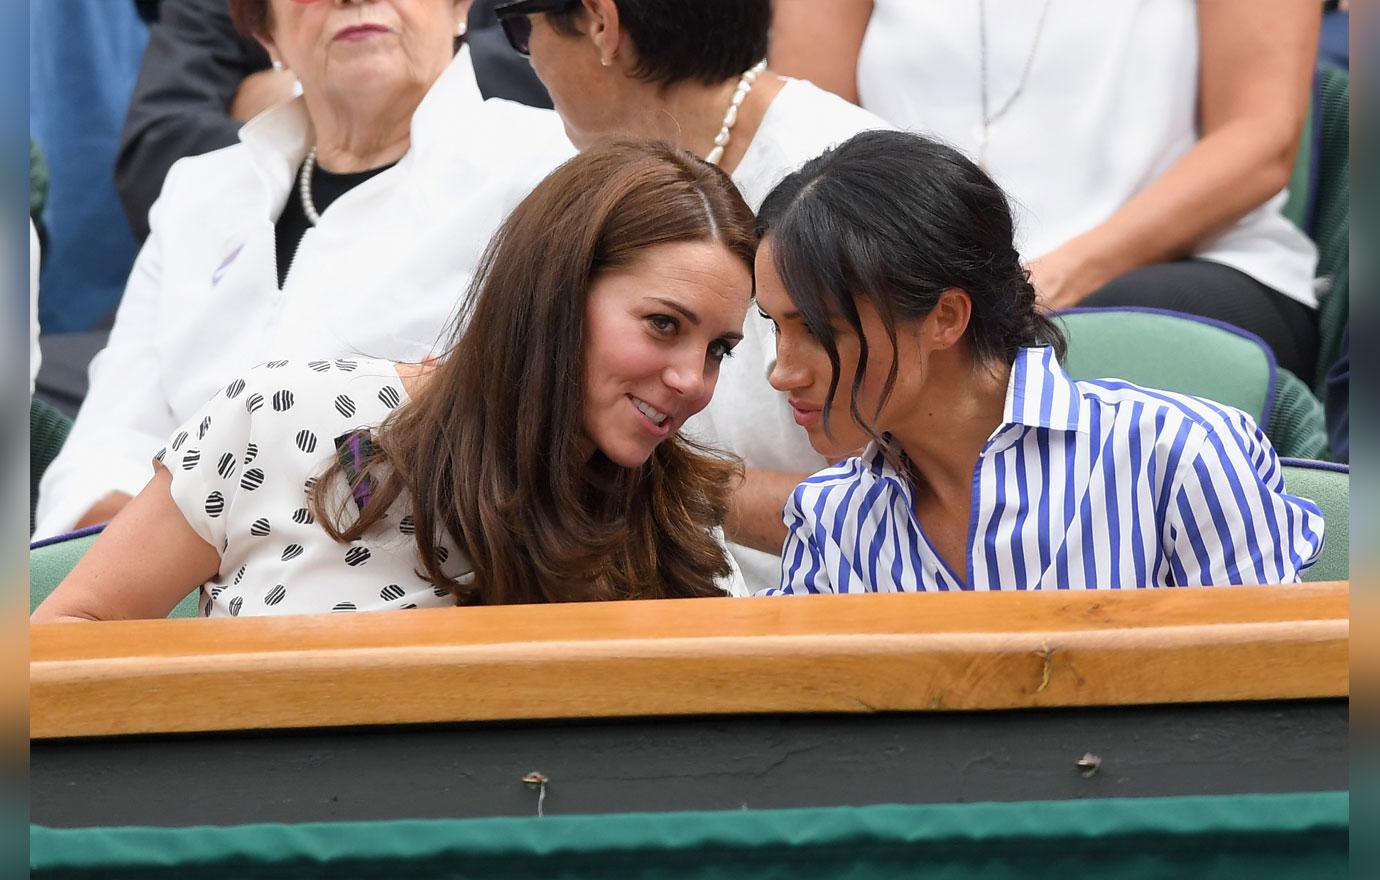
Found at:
[250, 16]
[491, 452]
[897, 219]
[704, 41]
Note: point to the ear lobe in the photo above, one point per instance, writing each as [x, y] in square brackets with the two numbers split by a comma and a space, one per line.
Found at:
[949, 319]
[603, 28]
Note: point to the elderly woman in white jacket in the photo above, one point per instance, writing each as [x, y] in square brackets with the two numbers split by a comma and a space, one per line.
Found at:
[347, 221]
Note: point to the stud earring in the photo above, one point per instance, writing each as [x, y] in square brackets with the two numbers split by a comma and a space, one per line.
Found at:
[277, 65]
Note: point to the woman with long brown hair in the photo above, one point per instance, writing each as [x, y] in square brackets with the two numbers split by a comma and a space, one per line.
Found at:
[538, 461]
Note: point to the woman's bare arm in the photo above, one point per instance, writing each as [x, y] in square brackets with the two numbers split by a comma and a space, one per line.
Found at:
[819, 40]
[1256, 69]
[145, 562]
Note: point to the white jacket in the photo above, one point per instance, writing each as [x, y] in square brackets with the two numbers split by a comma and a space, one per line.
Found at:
[380, 276]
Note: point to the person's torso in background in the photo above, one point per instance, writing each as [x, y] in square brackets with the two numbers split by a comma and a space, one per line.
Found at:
[1109, 103]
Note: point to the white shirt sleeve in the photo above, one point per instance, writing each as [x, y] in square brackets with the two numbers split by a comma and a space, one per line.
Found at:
[125, 415]
[35, 356]
[210, 459]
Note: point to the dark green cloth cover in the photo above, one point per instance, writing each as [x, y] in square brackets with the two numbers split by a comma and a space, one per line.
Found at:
[1301, 836]
[1298, 425]
[1332, 224]
[48, 429]
[1331, 491]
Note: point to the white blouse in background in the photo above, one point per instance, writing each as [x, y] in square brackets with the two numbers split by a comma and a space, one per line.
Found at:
[1109, 105]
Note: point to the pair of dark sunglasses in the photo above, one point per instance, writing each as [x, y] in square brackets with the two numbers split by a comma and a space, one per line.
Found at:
[517, 27]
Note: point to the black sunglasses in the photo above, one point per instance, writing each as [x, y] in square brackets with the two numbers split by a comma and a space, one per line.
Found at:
[517, 27]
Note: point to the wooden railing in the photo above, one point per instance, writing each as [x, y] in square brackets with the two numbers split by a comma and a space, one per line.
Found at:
[869, 653]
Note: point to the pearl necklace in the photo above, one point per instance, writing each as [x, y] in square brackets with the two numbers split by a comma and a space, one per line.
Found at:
[740, 94]
[304, 188]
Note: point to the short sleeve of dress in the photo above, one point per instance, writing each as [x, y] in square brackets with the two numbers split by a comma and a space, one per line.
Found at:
[207, 456]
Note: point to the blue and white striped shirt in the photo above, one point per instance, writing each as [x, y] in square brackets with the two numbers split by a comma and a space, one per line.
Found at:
[1085, 485]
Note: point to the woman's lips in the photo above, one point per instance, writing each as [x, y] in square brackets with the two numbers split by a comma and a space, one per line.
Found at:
[359, 32]
[806, 415]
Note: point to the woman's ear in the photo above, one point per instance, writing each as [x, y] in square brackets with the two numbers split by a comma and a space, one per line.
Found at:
[462, 16]
[603, 29]
[948, 320]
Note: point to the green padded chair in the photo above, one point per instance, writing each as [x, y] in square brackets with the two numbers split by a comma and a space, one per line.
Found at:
[1320, 204]
[51, 560]
[1197, 356]
[48, 429]
[1329, 486]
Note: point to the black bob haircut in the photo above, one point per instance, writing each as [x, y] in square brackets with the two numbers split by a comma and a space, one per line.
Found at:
[705, 41]
[898, 219]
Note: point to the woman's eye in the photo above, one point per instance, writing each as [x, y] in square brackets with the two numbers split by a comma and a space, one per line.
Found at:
[662, 323]
[719, 350]
[766, 317]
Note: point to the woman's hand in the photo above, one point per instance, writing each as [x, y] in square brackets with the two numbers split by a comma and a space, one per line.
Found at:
[1067, 275]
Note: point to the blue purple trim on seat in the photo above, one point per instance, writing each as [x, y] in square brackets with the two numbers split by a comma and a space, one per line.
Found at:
[69, 536]
[1315, 465]
[1269, 405]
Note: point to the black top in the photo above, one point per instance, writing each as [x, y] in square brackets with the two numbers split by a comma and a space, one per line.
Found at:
[292, 224]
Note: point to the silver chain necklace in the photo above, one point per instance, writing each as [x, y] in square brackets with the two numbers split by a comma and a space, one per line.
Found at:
[745, 83]
[984, 132]
[304, 188]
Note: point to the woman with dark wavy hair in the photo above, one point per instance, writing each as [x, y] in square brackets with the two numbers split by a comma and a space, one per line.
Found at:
[537, 461]
[906, 322]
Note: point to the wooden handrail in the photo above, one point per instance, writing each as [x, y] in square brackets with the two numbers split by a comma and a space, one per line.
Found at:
[934, 651]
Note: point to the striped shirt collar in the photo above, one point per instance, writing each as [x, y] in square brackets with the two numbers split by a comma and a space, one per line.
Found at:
[1039, 394]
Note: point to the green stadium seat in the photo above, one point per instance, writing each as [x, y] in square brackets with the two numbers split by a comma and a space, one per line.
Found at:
[48, 430]
[1198, 356]
[51, 560]
[1329, 486]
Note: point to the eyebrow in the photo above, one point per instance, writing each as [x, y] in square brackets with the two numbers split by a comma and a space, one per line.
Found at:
[689, 315]
[789, 316]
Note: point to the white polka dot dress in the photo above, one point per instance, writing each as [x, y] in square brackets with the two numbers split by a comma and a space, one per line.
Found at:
[240, 471]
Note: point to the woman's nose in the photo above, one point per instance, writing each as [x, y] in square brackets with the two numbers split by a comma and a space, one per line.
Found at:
[785, 375]
[686, 378]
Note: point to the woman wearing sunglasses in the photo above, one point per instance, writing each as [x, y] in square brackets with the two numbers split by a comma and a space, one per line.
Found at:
[344, 221]
[907, 322]
[693, 73]
[538, 461]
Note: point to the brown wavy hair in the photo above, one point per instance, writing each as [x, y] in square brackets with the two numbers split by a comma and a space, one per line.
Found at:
[490, 452]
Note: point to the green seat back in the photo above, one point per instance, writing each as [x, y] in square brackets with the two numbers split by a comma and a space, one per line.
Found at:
[50, 563]
[1332, 215]
[1329, 487]
[1171, 352]
[48, 429]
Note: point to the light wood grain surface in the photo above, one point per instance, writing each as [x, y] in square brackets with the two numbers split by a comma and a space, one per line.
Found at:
[941, 651]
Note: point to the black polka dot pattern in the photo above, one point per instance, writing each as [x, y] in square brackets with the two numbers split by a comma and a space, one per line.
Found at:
[389, 397]
[235, 605]
[391, 593]
[345, 406]
[205, 426]
[234, 389]
[357, 556]
[251, 452]
[319, 366]
[306, 441]
[260, 528]
[442, 554]
[180, 439]
[191, 459]
[275, 595]
[441, 591]
[292, 551]
[239, 575]
[344, 606]
[252, 479]
[409, 605]
[302, 516]
[226, 466]
[346, 365]
[160, 454]
[254, 402]
[407, 525]
[274, 365]
[215, 504]
[282, 400]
